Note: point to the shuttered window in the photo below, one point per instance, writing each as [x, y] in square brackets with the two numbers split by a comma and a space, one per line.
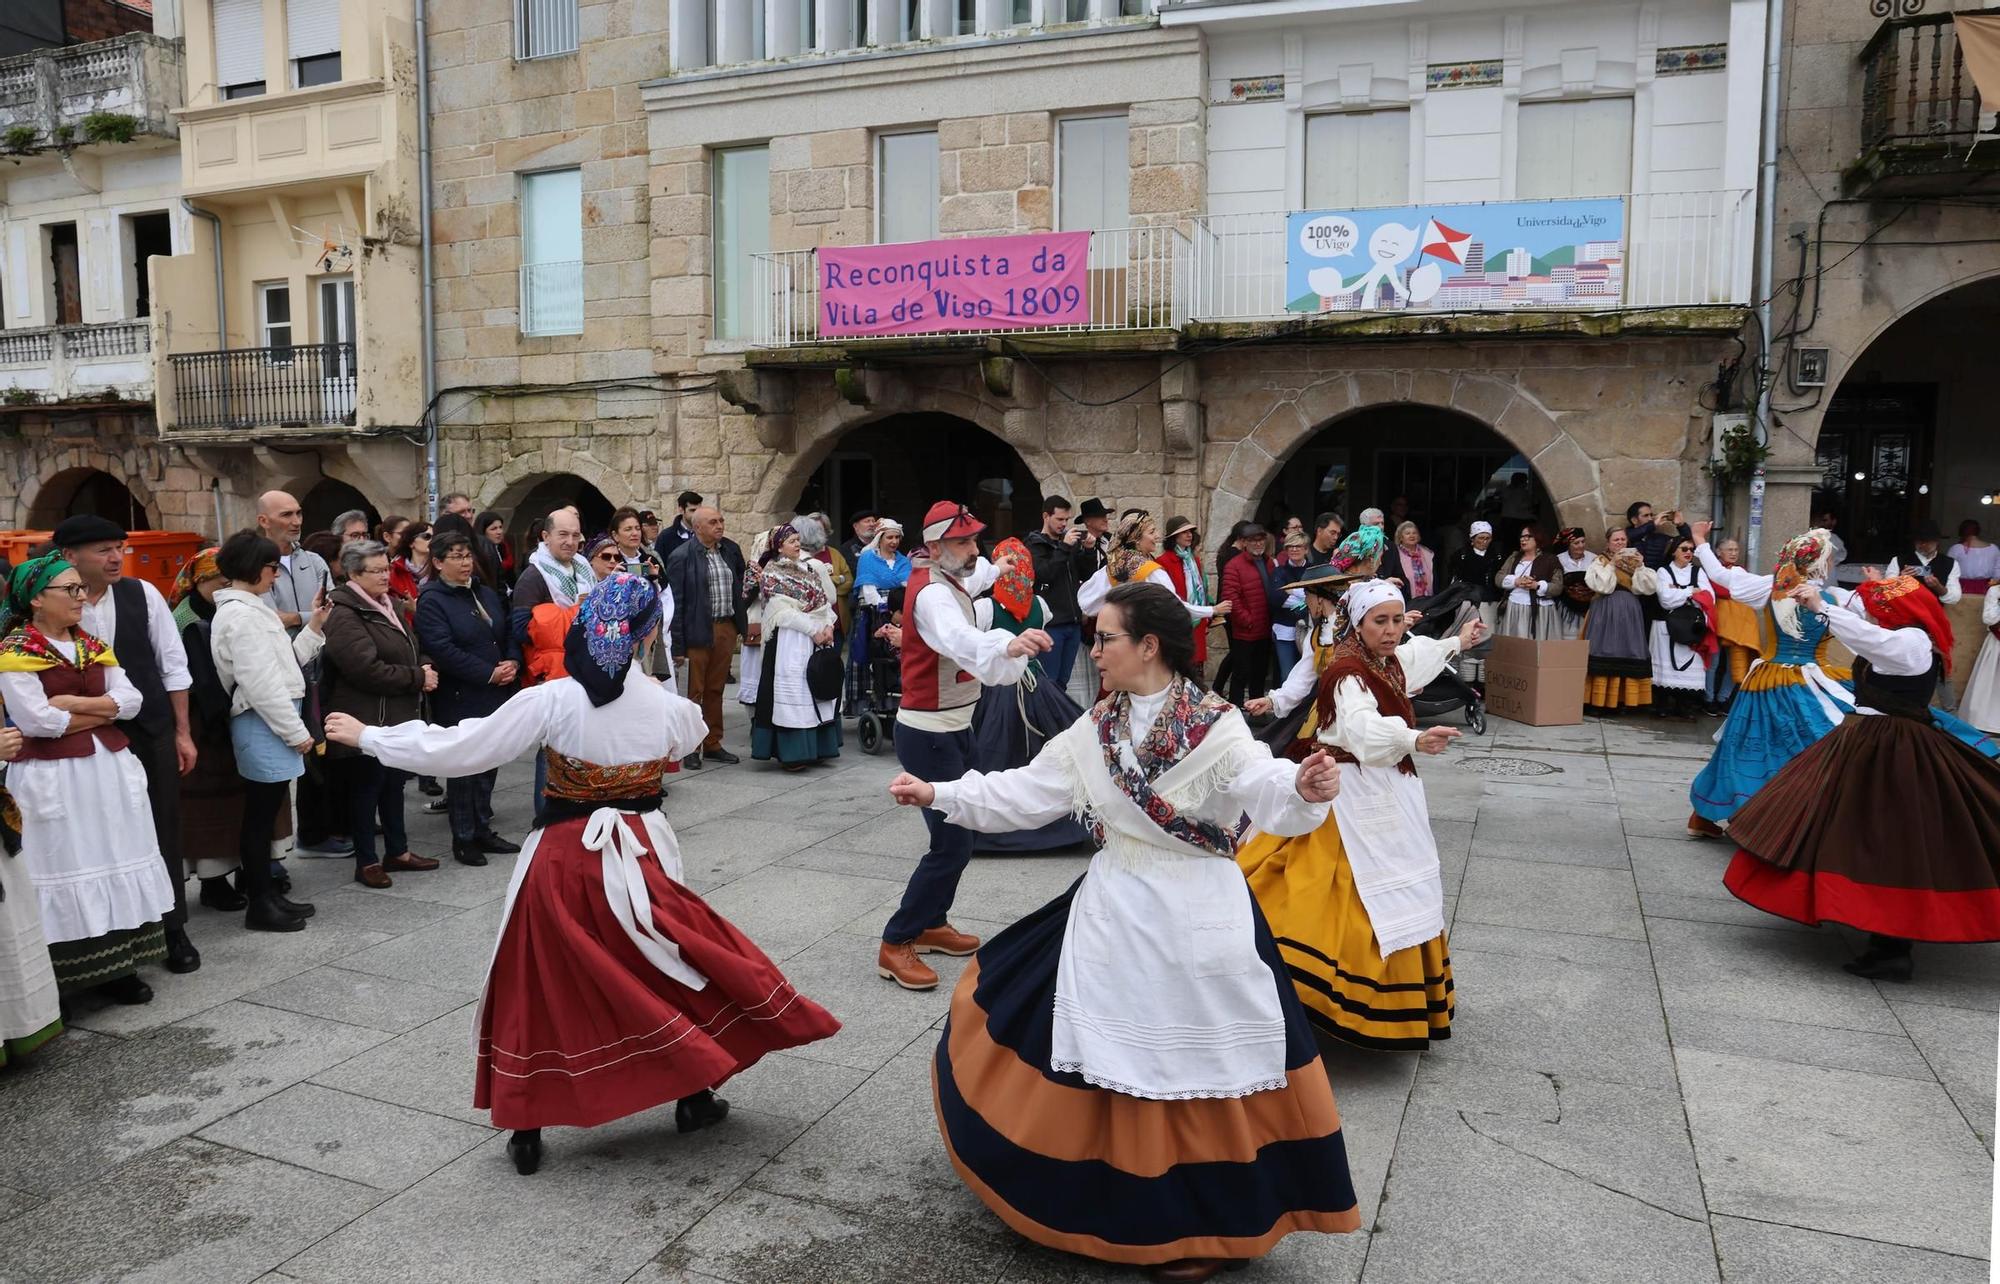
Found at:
[544, 27]
[312, 27]
[239, 42]
[1577, 148]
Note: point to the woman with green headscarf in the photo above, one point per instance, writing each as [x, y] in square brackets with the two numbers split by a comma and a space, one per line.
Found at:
[86, 826]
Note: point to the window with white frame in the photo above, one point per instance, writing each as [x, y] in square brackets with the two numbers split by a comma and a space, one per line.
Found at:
[906, 187]
[552, 252]
[1581, 147]
[274, 319]
[239, 47]
[742, 220]
[312, 41]
[1356, 159]
[544, 27]
[1093, 174]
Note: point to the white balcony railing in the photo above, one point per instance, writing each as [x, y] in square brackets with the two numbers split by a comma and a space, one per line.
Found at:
[56, 92]
[1138, 280]
[1682, 249]
[552, 298]
[78, 362]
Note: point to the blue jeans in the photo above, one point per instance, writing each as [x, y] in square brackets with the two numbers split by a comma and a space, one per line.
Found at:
[541, 785]
[932, 756]
[469, 799]
[1721, 683]
[1288, 657]
[1060, 662]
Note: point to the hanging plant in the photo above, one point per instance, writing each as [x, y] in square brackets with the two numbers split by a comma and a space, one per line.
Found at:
[1738, 455]
[109, 127]
[20, 138]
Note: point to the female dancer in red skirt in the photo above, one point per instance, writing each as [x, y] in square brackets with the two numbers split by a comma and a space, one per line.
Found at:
[614, 988]
[1891, 822]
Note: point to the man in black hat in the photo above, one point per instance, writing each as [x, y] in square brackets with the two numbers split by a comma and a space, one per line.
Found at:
[863, 525]
[131, 617]
[1930, 565]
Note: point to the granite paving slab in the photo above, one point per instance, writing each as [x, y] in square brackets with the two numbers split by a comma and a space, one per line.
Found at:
[1552, 897]
[1754, 1252]
[343, 1135]
[429, 1069]
[361, 998]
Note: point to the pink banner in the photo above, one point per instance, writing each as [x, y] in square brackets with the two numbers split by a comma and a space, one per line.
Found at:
[979, 283]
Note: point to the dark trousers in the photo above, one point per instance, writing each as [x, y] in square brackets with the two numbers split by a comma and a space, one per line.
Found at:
[1248, 672]
[373, 792]
[469, 799]
[155, 753]
[261, 804]
[321, 814]
[1061, 659]
[932, 756]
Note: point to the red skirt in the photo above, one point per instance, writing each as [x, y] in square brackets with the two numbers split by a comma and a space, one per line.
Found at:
[578, 1028]
[1886, 824]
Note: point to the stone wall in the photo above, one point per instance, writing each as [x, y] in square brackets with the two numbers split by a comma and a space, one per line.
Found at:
[996, 175]
[48, 456]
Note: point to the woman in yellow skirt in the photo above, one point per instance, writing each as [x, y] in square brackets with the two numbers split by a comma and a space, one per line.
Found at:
[1357, 906]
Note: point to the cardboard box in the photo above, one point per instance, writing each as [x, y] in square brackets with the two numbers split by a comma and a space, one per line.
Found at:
[1537, 683]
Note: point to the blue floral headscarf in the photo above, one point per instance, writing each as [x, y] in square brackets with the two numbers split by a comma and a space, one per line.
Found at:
[1363, 544]
[610, 623]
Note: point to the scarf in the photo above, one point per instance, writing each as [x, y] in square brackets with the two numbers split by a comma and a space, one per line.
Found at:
[29, 580]
[1197, 587]
[567, 582]
[1382, 675]
[1183, 723]
[783, 577]
[1363, 544]
[1127, 565]
[385, 606]
[1014, 591]
[28, 650]
[613, 620]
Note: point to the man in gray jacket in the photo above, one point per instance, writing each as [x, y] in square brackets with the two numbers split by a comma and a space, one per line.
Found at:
[302, 585]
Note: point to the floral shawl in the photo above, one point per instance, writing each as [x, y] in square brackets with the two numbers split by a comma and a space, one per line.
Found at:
[782, 577]
[27, 650]
[1184, 722]
[1128, 565]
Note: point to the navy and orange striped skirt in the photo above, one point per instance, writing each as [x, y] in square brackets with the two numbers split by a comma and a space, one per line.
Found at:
[1119, 1178]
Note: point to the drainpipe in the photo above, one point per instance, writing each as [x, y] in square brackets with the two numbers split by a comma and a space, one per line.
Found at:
[221, 309]
[424, 248]
[215, 489]
[1767, 248]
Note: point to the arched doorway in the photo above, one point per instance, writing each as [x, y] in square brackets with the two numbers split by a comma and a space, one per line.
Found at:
[328, 499]
[1449, 468]
[1906, 436]
[78, 491]
[901, 465]
[558, 490]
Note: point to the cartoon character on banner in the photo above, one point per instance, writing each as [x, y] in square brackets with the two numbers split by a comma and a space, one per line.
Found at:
[1390, 246]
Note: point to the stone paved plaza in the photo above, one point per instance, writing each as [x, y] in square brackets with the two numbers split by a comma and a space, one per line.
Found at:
[1647, 1079]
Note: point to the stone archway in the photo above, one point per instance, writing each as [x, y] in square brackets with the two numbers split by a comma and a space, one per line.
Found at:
[64, 491]
[328, 498]
[1565, 469]
[535, 496]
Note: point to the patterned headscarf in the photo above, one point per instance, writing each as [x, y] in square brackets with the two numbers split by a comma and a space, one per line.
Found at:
[614, 617]
[28, 581]
[1014, 591]
[1135, 521]
[1903, 603]
[779, 534]
[1369, 594]
[184, 598]
[1364, 544]
[1804, 557]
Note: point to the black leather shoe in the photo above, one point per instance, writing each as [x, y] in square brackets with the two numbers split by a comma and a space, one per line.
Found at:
[494, 845]
[703, 1110]
[182, 956]
[467, 853]
[692, 762]
[217, 894]
[130, 991]
[267, 915]
[429, 787]
[525, 1148]
[297, 909]
[722, 756]
[1884, 960]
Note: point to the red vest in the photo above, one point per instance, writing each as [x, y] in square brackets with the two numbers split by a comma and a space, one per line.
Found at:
[64, 680]
[932, 682]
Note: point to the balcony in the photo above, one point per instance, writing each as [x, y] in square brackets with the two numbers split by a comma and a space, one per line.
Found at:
[1135, 283]
[1922, 119]
[249, 389]
[108, 91]
[76, 364]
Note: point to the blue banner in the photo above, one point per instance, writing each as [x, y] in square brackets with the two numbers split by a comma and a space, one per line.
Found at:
[1500, 256]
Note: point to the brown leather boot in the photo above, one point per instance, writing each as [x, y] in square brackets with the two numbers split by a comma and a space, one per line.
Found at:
[1702, 827]
[946, 940]
[899, 963]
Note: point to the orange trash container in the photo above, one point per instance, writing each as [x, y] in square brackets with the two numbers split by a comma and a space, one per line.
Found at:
[153, 556]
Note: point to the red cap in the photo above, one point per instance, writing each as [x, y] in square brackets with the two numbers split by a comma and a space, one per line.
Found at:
[950, 520]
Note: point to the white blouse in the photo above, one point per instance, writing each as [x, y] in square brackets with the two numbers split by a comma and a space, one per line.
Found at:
[1672, 591]
[28, 706]
[1359, 725]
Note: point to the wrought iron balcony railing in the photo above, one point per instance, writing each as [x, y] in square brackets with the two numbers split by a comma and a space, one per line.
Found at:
[304, 386]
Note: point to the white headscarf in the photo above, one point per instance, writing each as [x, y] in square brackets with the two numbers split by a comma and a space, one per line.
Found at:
[1369, 594]
[888, 525]
[1479, 528]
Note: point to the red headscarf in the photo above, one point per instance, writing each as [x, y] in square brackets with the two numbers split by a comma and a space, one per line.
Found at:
[1014, 591]
[1903, 603]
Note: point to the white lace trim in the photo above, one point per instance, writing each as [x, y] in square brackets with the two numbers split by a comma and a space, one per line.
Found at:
[1191, 1094]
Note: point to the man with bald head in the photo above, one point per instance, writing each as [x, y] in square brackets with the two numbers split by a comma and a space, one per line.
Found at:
[706, 576]
[303, 576]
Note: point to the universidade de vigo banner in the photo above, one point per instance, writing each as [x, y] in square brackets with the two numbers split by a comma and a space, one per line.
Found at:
[977, 283]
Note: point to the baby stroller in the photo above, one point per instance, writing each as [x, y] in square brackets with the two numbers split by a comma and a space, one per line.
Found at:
[879, 668]
[1444, 614]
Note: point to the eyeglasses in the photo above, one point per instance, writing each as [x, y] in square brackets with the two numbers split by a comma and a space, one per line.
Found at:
[74, 590]
[460, 554]
[1097, 642]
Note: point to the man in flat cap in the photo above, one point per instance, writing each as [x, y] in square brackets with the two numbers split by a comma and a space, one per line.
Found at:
[133, 619]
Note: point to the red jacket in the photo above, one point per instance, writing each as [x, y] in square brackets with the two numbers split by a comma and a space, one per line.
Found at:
[1249, 604]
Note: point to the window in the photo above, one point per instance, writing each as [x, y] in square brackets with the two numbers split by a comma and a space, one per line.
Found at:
[239, 47]
[1023, 13]
[1075, 10]
[742, 189]
[552, 252]
[274, 318]
[1357, 159]
[65, 275]
[1094, 175]
[906, 187]
[1578, 148]
[312, 41]
[544, 27]
[146, 235]
[967, 21]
